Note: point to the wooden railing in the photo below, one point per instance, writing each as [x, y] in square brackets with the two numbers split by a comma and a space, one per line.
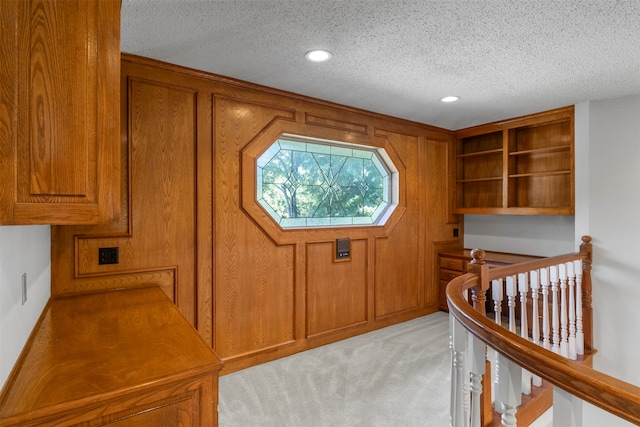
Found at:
[550, 335]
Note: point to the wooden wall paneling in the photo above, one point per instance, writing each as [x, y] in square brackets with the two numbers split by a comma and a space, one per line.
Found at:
[337, 290]
[342, 124]
[167, 223]
[254, 278]
[396, 287]
[300, 289]
[162, 184]
[451, 180]
[398, 257]
[165, 279]
[371, 280]
[204, 217]
[63, 238]
[437, 215]
[253, 297]
[162, 155]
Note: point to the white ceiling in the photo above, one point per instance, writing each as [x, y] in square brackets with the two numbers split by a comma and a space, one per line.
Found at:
[504, 58]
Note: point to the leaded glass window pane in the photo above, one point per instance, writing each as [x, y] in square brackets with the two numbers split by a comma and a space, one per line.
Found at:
[311, 184]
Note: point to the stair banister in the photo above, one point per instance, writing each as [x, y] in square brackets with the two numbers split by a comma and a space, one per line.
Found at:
[576, 379]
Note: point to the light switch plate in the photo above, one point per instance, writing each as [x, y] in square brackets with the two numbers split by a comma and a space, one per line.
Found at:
[24, 288]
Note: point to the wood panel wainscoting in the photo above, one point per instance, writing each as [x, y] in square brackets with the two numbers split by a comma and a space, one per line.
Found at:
[188, 221]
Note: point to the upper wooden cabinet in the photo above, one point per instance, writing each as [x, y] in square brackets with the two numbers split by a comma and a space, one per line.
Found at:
[518, 166]
[59, 111]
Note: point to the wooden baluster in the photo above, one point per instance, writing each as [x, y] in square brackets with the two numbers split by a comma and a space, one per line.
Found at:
[544, 283]
[476, 365]
[555, 321]
[496, 296]
[571, 280]
[564, 323]
[534, 277]
[459, 379]
[567, 409]
[523, 289]
[511, 302]
[579, 331]
[508, 390]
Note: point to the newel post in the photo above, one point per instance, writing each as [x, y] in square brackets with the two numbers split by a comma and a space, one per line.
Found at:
[587, 308]
[479, 266]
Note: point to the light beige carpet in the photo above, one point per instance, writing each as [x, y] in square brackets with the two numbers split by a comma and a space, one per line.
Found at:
[396, 376]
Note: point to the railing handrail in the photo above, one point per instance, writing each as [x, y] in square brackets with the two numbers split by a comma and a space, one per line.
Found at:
[606, 392]
[479, 266]
[512, 269]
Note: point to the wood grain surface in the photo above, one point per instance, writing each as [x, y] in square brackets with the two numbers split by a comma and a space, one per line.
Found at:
[94, 356]
[254, 291]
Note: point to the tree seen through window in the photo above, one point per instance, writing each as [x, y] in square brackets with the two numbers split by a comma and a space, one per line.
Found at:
[305, 184]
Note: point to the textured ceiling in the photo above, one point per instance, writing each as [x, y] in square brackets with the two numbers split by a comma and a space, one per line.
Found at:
[504, 58]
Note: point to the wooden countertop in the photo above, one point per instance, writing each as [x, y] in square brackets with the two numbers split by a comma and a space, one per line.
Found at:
[93, 348]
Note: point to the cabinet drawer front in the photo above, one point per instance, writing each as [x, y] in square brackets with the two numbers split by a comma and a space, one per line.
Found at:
[452, 263]
[447, 275]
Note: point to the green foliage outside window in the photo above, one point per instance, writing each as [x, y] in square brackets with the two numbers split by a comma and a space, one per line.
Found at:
[308, 184]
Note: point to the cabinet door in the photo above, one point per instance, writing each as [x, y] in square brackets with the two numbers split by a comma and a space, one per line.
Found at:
[59, 117]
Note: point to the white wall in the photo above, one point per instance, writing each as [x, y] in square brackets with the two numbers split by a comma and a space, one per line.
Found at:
[532, 235]
[613, 218]
[23, 249]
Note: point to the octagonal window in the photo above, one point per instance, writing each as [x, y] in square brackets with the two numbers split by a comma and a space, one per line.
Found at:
[304, 182]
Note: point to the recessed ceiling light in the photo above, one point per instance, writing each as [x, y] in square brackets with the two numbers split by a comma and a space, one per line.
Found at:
[450, 99]
[318, 55]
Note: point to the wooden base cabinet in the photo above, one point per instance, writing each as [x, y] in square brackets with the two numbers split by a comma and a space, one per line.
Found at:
[454, 263]
[122, 358]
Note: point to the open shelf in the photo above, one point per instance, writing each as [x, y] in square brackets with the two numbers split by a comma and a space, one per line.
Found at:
[521, 175]
[558, 148]
[499, 178]
[529, 159]
[481, 153]
[487, 193]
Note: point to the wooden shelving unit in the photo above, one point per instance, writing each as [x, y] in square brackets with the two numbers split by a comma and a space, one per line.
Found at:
[479, 170]
[518, 166]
